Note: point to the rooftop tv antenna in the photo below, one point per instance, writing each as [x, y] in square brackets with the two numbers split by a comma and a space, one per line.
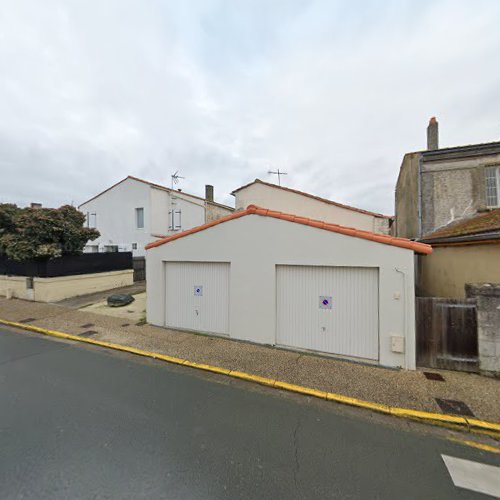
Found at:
[279, 173]
[175, 178]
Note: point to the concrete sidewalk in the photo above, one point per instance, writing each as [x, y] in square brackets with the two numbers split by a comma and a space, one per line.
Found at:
[391, 387]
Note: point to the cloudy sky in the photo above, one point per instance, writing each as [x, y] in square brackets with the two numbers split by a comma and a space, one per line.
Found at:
[332, 92]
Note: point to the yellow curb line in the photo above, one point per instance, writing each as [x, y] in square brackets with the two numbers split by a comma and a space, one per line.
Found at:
[474, 444]
[451, 421]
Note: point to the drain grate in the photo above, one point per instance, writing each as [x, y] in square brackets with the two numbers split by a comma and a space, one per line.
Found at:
[455, 407]
[88, 333]
[87, 325]
[434, 376]
[27, 320]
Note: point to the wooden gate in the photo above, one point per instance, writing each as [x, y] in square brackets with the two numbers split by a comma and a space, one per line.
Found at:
[447, 333]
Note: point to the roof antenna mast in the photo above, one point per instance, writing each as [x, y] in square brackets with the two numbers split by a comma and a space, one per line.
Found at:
[175, 178]
[279, 173]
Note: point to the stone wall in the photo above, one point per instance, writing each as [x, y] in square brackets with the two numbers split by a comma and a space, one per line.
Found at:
[406, 209]
[453, 189]
[214, 211]
[487, 297]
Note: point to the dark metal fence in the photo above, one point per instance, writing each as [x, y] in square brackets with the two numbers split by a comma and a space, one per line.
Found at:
[68, 265]
[447, 333]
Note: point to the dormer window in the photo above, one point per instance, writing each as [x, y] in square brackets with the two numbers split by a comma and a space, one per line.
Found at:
[492, 175]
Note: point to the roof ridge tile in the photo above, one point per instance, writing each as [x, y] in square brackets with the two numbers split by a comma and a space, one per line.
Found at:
[326, 226]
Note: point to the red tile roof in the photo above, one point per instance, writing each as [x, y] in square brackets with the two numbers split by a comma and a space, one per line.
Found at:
[349, 231]
[314, 197]
[480, 223]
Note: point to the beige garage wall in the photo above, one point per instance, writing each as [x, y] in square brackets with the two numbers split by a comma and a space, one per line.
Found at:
[55, 289]
[445, 272]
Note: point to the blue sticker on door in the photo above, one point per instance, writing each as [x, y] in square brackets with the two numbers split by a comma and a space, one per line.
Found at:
[325, 302]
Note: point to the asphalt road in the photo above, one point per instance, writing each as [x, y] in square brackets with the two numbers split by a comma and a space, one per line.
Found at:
[83, 422]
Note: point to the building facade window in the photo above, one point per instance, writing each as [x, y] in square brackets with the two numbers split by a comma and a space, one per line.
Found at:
[492, 175]
[139, 218]
[91, 220]
[134, 246]
[175, 223]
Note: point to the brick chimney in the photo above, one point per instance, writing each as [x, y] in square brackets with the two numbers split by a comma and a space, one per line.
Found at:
[433, 134]
[209, 192]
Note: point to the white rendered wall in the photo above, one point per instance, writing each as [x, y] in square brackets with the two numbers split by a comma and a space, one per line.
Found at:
[296, 204]
[116, 219]
[255, 245]
[163, 202]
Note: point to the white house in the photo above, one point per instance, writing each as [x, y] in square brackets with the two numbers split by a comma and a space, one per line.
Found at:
[264, 276]
[274, 197]
[134, 212]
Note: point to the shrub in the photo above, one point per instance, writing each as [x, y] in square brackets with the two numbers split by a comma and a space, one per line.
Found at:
[42, 233]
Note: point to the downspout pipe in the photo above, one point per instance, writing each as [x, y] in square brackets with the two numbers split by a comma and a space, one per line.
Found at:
[410, 344]
[419, 196]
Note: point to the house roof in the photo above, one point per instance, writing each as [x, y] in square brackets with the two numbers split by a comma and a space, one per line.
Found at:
[314, 197]
[468, 150]
[157, 186]
[335, 228]
[485, 226]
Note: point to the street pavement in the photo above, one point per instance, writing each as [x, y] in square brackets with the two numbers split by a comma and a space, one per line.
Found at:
[78, 421]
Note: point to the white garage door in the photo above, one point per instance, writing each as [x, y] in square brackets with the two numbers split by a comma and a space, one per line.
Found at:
[328, 309]
[197, 296]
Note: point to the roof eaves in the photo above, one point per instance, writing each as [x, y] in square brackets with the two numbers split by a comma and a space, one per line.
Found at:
[313, 196]
[106, 190]
[485, 235]
[220, 205]
[151, 184]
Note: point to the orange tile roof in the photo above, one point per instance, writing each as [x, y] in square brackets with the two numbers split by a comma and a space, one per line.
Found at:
[314, 197]
[479, 223]
[336, 228]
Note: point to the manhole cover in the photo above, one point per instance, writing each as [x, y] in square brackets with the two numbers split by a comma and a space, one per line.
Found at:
[87, 325]
[88, 333]
[27, 320]
[455, 407]
[434, 376]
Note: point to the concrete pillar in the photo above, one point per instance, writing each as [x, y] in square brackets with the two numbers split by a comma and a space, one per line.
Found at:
[487, 297]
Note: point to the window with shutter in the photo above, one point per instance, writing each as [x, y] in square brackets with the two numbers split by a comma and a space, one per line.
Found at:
[175, 221]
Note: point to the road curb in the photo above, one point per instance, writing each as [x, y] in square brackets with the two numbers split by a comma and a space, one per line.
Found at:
[452, 421]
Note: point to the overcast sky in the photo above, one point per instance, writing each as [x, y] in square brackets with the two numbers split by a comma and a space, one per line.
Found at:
[332, 92]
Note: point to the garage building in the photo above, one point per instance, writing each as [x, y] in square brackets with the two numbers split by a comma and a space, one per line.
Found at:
[279, 279]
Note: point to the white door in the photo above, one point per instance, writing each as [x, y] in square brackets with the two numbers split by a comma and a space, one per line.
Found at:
[328, 309]
[197, 296]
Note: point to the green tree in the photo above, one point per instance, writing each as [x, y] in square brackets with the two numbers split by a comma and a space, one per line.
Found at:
[42, 233]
